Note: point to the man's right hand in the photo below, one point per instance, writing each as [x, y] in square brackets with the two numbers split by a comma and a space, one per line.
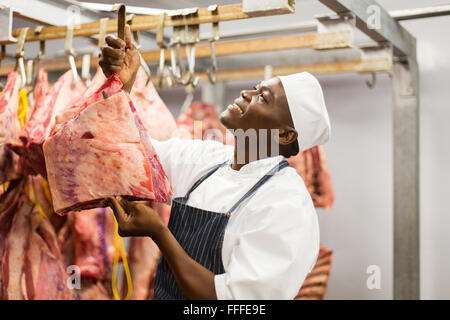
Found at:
[120, 57]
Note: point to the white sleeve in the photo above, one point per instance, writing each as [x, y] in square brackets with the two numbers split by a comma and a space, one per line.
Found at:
[272, 259]
[185, 161]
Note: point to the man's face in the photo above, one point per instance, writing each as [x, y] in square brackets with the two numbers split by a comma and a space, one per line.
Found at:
[264, 107]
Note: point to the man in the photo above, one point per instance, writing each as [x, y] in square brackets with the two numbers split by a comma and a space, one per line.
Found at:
[242, 224]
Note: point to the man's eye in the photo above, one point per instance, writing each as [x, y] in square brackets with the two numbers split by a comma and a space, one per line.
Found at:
[262, 96]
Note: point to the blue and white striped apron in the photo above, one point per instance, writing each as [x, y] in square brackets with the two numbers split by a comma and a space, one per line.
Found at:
[200, 233]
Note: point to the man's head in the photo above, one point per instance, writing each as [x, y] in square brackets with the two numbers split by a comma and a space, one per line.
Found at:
[291, 104]
[264, 107]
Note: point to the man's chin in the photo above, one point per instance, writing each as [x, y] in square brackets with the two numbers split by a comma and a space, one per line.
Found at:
[226, 120]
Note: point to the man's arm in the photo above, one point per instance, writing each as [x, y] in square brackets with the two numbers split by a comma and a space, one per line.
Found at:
[136, 219]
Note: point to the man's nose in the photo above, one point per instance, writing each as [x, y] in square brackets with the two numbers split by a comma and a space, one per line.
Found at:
[245, 94]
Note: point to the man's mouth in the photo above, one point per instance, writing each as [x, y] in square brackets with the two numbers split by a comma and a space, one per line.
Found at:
[238, 108]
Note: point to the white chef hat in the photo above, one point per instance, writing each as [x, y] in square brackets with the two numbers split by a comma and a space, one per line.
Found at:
[308, 111]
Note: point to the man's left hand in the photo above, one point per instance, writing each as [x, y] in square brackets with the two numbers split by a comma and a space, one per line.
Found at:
[135, 219]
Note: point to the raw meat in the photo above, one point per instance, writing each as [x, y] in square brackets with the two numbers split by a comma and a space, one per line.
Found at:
[312, 166]
[9, 127]
[201, 119]
[43, 119]
[94, 290]
[31, 264]
[103, 151]
[155, 116]
[44, 272]
[43, 195]
[315, 285]
[10, 203]
[94, 242]
[15, 245]
[143, 256]
[323, 196]
[87, 98]
[65, 237]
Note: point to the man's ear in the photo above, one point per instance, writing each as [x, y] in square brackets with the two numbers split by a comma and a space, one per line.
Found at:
[287, 135]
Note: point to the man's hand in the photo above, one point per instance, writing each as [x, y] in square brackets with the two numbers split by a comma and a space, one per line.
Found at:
[135, 219]
[120, 57]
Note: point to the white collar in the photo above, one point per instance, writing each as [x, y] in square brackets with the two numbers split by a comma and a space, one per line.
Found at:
[257, 167]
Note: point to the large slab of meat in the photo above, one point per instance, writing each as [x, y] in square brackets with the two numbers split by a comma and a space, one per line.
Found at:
[43, 118]
[31, 265]
[11, 202]
[316, 282]
[88, 97]
[94, 242]
[200, 121]
[9, 126]
[312, 166]
[103, 151]
[155, 116]
[44, 272]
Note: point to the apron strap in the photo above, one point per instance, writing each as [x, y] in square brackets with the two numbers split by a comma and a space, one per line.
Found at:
[206, 176]
[264, 179]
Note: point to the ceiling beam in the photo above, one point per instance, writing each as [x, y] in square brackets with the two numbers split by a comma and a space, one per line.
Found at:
[358, 66]
[331, 40]
[387, 31]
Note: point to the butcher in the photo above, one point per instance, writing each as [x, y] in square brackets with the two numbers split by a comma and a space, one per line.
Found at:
[242, 223]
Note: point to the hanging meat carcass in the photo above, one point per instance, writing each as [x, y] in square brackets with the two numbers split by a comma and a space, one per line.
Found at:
[31, 262]
[9, 126]
[312, 166]
[44, 272]
[94, 242]
[323, 197]
[201, 119]
[82, 101]
[316, 283]
[11, 202]
[43, 119]
[103, 151]
[155, 116]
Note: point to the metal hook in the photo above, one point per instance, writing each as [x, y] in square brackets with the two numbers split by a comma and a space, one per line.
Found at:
[2, 57]
[121, 19]
[137, 43]
[177, 67]
[371, 84]
[190, 90]
[20, 56]
[2, 54]
[162, 45]
[102, 32]
[193, 38]
[85, 68]
[71, 53]
[212, 72]
[39, 56]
